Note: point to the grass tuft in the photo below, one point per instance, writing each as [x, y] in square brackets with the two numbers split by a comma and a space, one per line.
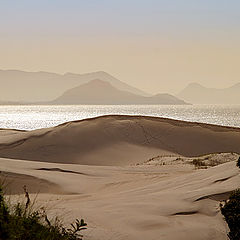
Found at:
[19, 221]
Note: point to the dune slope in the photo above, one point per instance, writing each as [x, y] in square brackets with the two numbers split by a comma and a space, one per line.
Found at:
[118, 140]
[140, 202]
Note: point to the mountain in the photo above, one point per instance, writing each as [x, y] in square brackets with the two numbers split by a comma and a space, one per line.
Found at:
[11, 103]
[87, 77]
[196, 93]
[102, 92]
[21, 86]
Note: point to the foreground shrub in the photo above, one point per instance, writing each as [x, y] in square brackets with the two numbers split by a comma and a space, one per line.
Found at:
[231, 213]
[238, 162]
[19, 222]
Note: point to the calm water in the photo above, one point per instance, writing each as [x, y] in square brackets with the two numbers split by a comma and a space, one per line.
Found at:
[34, 117]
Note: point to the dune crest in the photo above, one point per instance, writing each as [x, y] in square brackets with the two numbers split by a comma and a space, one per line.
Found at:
[118, 140]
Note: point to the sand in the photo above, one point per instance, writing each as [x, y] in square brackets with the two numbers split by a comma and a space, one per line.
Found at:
[128, 177]
[118, 141]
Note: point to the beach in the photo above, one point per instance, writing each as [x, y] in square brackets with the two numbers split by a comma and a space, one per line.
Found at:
[129, 177]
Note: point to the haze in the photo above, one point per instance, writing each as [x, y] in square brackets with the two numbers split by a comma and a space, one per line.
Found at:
[155, 45]
[121, 117]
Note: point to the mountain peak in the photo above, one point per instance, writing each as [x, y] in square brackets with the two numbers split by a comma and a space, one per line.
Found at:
[237, 85]
[98, 91]
[99, 81]
[196, 93]
[195, 85]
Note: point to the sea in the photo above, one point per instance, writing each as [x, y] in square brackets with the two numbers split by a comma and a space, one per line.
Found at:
[29, 117]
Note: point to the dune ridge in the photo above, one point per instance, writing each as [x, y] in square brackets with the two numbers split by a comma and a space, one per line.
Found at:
[118, 140]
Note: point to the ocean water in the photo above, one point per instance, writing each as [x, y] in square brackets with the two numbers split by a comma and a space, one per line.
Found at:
[35, 117]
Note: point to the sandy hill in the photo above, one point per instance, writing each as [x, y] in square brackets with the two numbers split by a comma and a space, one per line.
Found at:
[130, 203]
[152, 190]
[118, 140]
[102, 92]
[196, 93]
[43, 86]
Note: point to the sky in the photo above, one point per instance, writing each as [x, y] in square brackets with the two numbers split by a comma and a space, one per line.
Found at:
[155, 45]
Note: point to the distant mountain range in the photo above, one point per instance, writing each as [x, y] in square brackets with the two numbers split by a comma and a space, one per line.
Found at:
[102, 92]
[196, 93]
[21, 86]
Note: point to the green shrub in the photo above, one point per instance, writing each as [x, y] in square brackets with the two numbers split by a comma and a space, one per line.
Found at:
[19, 222]
[231, 213]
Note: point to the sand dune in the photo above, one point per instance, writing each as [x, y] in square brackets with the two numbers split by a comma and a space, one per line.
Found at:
[171, 202]
[135, 177]
[118, 141]
[13, 184]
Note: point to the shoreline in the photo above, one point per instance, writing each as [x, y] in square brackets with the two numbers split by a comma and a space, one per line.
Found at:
[37, 117]
[129, 116]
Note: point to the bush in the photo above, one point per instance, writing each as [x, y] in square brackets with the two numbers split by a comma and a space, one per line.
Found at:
[19, 222]
[231, 213]
[199, 163]
[238, 162]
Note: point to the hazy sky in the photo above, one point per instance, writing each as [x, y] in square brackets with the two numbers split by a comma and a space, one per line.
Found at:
[156, 45]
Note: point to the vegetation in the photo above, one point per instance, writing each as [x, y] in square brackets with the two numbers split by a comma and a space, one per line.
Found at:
[199, 163]
[231, 213]
[210, 161]
[238, 162]
[20, 222]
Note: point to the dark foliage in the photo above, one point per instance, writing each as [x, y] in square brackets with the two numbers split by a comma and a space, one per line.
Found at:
[231, 213]
[19, 222]
[238, 162]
